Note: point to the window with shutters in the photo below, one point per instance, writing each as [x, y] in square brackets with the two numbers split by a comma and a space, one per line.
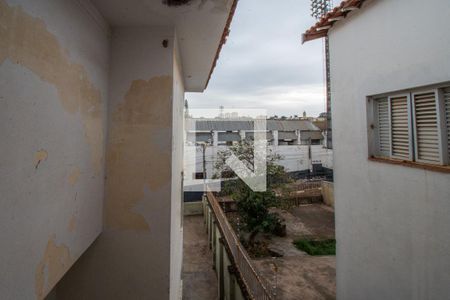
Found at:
[400, 123]
[384, 127]
[426, 138]
[412, 126]
[446, 95]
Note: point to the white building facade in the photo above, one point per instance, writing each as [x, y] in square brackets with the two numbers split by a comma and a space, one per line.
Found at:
[390, 70]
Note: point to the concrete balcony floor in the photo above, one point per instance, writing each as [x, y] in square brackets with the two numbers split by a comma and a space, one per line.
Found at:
[199, 278]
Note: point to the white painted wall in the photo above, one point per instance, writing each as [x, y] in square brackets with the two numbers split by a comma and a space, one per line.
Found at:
[294, 158]
[322, 155]
[392, 222]
[50, 211]
[176, 230]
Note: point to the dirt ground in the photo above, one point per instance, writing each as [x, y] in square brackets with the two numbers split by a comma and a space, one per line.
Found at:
[301, 277]
[199, 279]
[318, 218]
[298, 275]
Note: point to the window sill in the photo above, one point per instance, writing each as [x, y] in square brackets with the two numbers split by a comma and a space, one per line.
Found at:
[412, 164]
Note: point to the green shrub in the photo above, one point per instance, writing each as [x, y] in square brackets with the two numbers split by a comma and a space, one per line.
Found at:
[314, 247]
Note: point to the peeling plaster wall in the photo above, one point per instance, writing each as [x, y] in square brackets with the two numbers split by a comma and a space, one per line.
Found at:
[140, 248]
[392, 222]
[176, 231]
[53, 91]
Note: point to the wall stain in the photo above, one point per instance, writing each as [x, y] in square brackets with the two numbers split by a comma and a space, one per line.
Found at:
[72, 224]
[39, 156]
[25, 40]
[138, 156]
[74, 175]
[51, 268]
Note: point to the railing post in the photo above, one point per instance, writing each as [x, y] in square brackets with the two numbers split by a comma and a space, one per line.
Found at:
[221, 272]
[213, 244]
[204, 203]
[209, 227]
[249, 281]
[232, 274]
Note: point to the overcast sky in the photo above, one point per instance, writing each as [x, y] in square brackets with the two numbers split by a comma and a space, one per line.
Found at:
[264, 65]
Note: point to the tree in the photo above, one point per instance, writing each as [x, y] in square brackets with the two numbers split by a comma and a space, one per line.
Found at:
[253, 207]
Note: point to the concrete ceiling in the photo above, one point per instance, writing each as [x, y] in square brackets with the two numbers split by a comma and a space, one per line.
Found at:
[199, 26]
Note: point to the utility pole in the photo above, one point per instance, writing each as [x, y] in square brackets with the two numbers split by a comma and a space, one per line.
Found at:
[310, 156]
[204, 145]
[318, 9]
[204, 160]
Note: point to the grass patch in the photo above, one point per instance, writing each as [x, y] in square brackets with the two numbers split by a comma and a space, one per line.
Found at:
[313, 247]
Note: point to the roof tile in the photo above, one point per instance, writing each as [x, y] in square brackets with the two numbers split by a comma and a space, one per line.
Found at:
[320, 29]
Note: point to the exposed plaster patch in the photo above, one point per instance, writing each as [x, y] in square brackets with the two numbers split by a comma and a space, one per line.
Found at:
[72, 224]
[39, 156]
[51, 268]
[73, 219]
[74, 175]
[138, 157]
[25, 40]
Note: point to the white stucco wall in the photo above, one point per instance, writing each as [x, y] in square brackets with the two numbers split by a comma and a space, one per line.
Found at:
[53, 93]
[296, 158]
[392, 222]
[176, 230]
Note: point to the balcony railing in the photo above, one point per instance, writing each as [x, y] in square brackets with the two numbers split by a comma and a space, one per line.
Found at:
[257, 287]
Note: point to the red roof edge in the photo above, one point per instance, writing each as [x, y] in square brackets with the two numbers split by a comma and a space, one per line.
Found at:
[223, 40]
[320, 29]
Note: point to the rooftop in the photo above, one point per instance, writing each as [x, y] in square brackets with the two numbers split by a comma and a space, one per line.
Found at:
[340, 12]
[236, 125]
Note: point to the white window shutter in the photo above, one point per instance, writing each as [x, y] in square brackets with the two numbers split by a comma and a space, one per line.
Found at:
[447, 116]
[427, 131]
[400, 130]
[384, 127]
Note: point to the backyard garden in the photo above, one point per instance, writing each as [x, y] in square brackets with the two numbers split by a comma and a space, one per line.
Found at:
[287, 230]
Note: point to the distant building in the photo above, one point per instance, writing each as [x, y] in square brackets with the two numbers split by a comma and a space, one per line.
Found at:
[299, 142]
[279, 132]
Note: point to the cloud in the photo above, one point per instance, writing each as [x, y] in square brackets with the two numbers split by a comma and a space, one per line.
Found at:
[264, 64]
